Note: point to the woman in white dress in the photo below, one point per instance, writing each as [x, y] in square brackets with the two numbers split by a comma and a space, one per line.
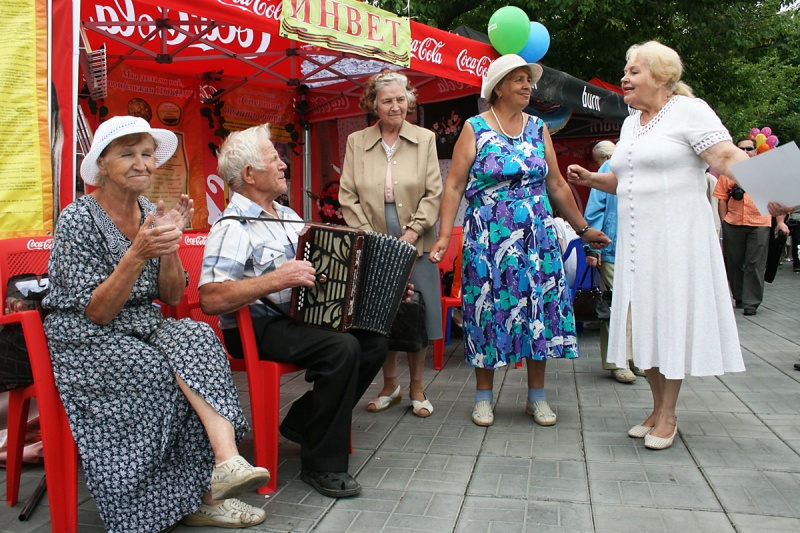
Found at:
[671, 305]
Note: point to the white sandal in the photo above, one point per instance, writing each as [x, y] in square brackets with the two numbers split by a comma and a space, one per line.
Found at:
[381, 403]
[419, 408]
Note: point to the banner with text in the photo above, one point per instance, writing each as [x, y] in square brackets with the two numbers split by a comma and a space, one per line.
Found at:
[26, 176]
[253, 29]
[348, 26]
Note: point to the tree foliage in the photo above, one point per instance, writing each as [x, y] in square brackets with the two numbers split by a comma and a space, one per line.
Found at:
[741, 56]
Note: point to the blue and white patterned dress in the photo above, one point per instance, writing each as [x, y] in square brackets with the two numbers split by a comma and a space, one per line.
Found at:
[516, 298]
[145, 453]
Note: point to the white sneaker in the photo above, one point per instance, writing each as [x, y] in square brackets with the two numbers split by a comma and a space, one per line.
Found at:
[541, 412]
[482, 414]
[236, 476]
[230, 513]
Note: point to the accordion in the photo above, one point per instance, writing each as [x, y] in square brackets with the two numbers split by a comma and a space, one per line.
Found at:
[361, 278]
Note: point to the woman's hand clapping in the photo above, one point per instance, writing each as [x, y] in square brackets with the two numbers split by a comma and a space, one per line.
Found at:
[180, 216]
[155, 241]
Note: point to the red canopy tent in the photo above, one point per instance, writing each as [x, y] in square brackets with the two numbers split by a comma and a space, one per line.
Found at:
[236, 43]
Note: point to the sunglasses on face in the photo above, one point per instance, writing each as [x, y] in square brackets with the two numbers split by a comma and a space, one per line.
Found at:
[747, 148]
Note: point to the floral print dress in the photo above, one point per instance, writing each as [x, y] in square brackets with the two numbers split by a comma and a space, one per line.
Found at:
[145, 453]
[516, 301]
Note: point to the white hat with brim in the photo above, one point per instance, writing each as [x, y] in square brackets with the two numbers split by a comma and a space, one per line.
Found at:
[502, 66]
[116, 127]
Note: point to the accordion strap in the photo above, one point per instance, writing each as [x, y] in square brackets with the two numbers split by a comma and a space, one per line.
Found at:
[260, 219]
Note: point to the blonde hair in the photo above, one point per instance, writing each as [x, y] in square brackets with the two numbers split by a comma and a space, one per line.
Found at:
[377, 82]
[664, 63]
[604, 149]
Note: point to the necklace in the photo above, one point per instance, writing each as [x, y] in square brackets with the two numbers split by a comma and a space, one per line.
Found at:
[514, 137]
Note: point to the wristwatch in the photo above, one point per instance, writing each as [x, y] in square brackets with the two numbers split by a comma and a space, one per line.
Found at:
[583, 230]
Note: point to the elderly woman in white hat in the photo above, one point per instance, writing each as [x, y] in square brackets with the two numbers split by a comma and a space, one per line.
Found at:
[150, 401]
[516, 302]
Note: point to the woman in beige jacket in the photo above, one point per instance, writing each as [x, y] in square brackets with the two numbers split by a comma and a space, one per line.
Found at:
[391, 184]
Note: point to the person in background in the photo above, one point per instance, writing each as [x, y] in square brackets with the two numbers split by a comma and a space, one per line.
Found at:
[601, 213]
[516, 300]
[391, 184]
[150, 400]
[249, 261]
[671, 307]
[779, 210]
[745, 239]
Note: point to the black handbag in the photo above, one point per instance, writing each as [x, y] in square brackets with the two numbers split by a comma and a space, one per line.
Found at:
[25, 292]
[408, 333]
[592, 304]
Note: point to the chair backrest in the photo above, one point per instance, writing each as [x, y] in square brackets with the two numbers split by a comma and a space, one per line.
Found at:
[452, 260]
[22, 255]
[193, 244]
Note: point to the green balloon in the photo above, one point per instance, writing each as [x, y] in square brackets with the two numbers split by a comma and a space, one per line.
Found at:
[508, 30]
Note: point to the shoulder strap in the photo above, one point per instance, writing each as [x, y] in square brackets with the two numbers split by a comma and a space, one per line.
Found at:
[260, 219]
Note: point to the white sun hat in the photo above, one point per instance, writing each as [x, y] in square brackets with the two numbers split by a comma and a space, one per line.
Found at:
[502, 66]
[116, 127]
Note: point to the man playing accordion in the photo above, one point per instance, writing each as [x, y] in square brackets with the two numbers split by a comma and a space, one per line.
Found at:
[249, 260]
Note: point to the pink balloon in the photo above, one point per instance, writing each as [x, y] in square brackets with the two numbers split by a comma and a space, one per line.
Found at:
[754, 132]
[766, 130]
[772, 141]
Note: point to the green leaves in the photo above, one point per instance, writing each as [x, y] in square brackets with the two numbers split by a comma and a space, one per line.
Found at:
[741, 56]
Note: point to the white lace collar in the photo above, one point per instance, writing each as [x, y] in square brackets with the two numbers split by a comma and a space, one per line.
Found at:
[639, 130]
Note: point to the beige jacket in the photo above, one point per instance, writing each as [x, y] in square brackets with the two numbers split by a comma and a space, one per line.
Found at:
[417, 182]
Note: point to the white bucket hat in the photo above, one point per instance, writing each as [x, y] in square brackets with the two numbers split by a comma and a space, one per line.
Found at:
[116, 127]
[502, 66]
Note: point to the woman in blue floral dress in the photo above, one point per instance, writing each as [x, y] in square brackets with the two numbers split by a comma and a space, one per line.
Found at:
[516, 302]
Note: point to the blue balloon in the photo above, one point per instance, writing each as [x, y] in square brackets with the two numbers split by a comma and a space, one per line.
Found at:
[537, 45]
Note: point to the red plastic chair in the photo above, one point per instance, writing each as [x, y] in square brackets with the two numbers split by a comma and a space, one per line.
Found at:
[450, 262]
[31, 255]
[191, 251]
[263, 377]
[264, 382]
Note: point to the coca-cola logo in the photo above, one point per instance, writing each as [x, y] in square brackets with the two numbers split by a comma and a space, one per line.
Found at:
[257, 7]
[194, 240]
[443, 85]
[427, 50]
[246, 38]
[321, 104]
[474, 65]
[34, 244]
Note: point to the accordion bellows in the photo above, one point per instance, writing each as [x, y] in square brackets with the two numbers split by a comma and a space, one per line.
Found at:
[361, 278]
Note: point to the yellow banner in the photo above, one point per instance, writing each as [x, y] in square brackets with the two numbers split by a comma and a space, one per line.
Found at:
[26, 187]
[348, 26]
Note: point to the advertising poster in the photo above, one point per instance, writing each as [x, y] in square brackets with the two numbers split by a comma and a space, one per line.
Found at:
[232, 108]
[26, 185]
[169, 102]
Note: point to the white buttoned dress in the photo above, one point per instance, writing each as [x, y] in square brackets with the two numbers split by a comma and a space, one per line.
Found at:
[669, 270]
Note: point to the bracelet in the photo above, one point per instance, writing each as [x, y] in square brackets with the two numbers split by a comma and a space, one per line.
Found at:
[583, 230]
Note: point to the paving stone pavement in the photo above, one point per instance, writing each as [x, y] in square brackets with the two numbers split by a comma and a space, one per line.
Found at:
[735, 465]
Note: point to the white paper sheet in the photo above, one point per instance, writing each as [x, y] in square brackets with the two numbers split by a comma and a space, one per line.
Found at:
[773, 176]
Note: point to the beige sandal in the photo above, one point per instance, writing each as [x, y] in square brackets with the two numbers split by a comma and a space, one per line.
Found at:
[422, 409]
[381, 403]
